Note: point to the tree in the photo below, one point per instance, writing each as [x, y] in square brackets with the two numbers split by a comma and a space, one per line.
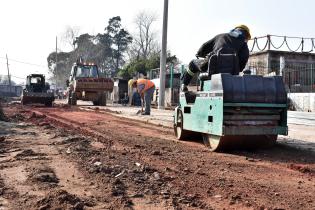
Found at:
[70, 34]
[107, 50]
[144, 52]
[144, 65]
[145, 43]
[85, 47]
[63, 66]
[119, 39]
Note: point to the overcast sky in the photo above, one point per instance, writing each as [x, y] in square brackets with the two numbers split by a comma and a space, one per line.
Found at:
[29, 28]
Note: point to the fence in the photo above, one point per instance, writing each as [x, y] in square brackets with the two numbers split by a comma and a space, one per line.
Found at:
[298, 78]
[287, 43]
[10, 91]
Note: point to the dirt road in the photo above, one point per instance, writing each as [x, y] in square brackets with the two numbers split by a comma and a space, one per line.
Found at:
[67, 158]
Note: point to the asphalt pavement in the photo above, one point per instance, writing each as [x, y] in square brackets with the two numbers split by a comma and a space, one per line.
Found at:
[301, 118]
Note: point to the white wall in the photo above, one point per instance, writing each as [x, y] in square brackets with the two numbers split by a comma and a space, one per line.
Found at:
[303, 101]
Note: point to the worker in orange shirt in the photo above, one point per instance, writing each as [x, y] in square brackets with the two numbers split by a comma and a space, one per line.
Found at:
[146, 89]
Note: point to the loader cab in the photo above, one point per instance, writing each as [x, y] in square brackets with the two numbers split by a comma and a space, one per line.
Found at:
[36, 83]
[84, 71]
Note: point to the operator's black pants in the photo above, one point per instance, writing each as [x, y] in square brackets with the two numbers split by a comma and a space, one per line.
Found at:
[195, 66]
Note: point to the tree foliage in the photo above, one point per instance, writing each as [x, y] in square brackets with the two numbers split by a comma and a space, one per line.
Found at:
[105, 49]
[144, 52]
[109, 49]
[119, 39]
[144, 65]
[70, 34]
[62, 71]
[145, 43]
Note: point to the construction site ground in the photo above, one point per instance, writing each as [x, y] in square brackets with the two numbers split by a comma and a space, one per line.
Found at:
[87, 157]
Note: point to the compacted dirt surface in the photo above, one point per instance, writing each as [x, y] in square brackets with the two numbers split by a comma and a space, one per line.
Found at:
[66, 158]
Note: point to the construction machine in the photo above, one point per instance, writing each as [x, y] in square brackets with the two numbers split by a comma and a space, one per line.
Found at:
[233, 111]
[86, 84]
[37, 91]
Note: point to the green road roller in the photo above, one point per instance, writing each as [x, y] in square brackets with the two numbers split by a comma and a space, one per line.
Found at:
[233, 111]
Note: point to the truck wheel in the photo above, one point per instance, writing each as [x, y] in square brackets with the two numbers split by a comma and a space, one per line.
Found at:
[180, 133]
[73, 99]
[102, 100]
[213, 143]
[23, 101]
[69, 98]
[49, 104]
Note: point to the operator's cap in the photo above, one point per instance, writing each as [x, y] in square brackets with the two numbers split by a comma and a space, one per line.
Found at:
[246, 29]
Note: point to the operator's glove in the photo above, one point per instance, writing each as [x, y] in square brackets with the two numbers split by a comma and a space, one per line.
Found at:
[247, 71]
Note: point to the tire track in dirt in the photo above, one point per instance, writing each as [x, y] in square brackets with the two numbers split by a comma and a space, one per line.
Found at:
[35, 174]
[163, 174]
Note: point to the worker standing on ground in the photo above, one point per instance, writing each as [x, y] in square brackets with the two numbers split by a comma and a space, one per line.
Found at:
[146, 89]
[235, 40]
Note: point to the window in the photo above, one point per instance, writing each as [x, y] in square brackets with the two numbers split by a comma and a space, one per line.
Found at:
[87, 71]
[36, 80]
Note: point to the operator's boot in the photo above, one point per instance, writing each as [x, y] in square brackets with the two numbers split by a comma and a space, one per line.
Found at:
[186, 80]
[183, 88]
[188, 75]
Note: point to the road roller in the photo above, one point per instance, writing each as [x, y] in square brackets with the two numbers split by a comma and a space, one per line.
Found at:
[233, 111]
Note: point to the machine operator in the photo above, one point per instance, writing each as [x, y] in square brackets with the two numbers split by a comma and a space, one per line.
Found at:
[236, 40]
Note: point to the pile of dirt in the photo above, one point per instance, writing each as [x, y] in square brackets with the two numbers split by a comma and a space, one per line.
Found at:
[301, 168]
[43, 175]
[17, 117]
[34, 115]
[27, 153]
[60, 199]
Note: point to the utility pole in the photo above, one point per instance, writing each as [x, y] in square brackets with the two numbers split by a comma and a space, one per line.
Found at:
[9, 77]
[56, 67]
[163, 58]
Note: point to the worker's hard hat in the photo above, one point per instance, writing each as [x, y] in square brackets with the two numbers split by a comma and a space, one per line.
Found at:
[131, 81]
[246, 29]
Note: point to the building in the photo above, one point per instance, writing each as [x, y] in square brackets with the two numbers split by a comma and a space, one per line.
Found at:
[119, 90]
[297, 69]
[14, 91]
[172, 88]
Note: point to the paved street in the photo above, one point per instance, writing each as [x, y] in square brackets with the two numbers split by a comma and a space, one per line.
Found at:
[301, 118]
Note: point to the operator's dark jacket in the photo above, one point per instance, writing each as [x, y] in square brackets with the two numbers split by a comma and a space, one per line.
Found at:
[234, 40]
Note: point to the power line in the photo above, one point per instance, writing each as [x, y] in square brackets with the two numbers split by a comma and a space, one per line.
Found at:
[23, 62]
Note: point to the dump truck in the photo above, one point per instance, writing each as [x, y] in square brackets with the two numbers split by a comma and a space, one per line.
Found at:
[232, 111]
[37, 91]
[86, 84]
